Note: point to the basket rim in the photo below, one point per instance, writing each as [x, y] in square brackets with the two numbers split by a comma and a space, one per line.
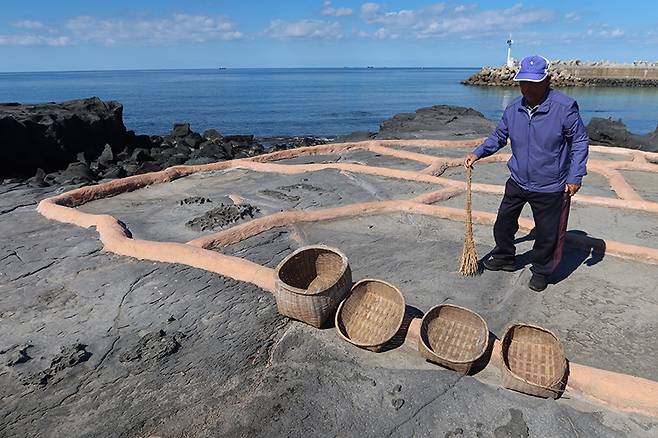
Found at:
[300, 291]
[340, 308]
[516, 376]
[432, 352]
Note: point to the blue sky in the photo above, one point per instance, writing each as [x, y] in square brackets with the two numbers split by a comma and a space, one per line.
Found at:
[38, 35]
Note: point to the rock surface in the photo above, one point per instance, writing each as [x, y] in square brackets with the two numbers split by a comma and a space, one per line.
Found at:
[51, 135]
[614, 133]
[139, 348]
[221, 216]
[85, 140]
[175, 351]
[436, 122]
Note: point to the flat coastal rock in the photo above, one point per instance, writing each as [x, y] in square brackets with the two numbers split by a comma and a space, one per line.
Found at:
[100, 345]
[439, 122]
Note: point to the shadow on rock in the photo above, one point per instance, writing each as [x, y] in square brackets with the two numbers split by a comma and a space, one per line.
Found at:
[582, 250]
[589, 251]
[410, 313]
[483, 361]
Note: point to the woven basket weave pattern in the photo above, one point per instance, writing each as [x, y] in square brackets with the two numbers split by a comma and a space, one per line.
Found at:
[533, 361]
[310, 284]
[371, 315]
[453, 337]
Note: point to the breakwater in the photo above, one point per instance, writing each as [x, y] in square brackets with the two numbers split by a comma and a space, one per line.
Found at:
[577, 74]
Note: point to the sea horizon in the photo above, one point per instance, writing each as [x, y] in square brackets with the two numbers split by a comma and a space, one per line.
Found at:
[243, 68]
[299, 101]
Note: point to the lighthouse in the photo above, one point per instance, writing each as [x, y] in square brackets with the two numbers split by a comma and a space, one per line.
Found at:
[510, 60]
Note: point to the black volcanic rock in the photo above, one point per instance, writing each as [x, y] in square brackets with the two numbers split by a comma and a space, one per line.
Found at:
[75, 173]
[106, 158]
[241, 140]
[436, 122]
[181, 130]
[38, 180]
[148, 166]
[210, 149]
[193, 140]
[140, 155]
[115, 172]
[51, 135]
[614, 133]
[211, 134]
[143, 141]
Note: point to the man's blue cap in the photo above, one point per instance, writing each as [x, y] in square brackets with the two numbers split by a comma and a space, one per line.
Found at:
[533, 68]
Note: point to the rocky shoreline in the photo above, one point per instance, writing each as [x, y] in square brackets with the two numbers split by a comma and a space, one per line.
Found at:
[85, 141]
[576, 73]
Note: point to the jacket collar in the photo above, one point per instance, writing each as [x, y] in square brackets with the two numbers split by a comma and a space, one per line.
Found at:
[544, 106]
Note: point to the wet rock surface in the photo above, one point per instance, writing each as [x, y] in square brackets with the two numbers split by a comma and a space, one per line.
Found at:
[516, 428]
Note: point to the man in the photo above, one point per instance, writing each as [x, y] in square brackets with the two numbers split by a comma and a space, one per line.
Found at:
[549, 157]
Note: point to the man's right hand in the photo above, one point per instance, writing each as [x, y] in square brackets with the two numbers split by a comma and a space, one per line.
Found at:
[469, 160]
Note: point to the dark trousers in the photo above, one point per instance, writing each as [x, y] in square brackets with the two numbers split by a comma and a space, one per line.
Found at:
[551, 213]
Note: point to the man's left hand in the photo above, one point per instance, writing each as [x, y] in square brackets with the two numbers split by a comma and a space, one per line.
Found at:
[571, 189]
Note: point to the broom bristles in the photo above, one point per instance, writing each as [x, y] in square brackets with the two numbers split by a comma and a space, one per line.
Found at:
[468, 262]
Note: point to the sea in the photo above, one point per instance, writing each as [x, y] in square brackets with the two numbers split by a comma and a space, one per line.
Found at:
[325, 102]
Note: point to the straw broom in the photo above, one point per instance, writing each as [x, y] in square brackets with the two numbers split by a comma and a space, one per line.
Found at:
[468, 263]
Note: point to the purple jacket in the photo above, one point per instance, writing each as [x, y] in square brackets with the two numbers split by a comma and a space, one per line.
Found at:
[549, 149]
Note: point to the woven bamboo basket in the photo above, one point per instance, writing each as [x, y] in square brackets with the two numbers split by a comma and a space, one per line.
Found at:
[311, 282]
[371, 315]
[533, 361]
[453, 336]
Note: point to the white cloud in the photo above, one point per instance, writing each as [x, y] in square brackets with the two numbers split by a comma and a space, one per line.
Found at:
[611, 33]
[27, 24]
[360, 33]
[179, 28]
[369, 9]
[432, 22]
[605, 31]
[464, 8]
[571, 17]
[304, 29]
[33, 40]
[371, 14]
[436, 8]
[329, 10]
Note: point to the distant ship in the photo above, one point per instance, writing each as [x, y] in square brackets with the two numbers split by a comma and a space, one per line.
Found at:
[370, 66]
[221, 68]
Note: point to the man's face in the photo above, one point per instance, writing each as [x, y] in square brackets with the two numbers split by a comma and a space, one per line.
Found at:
[533, 91]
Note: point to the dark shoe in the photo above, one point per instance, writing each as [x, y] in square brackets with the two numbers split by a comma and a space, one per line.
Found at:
[494, 264]
[537, 283]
